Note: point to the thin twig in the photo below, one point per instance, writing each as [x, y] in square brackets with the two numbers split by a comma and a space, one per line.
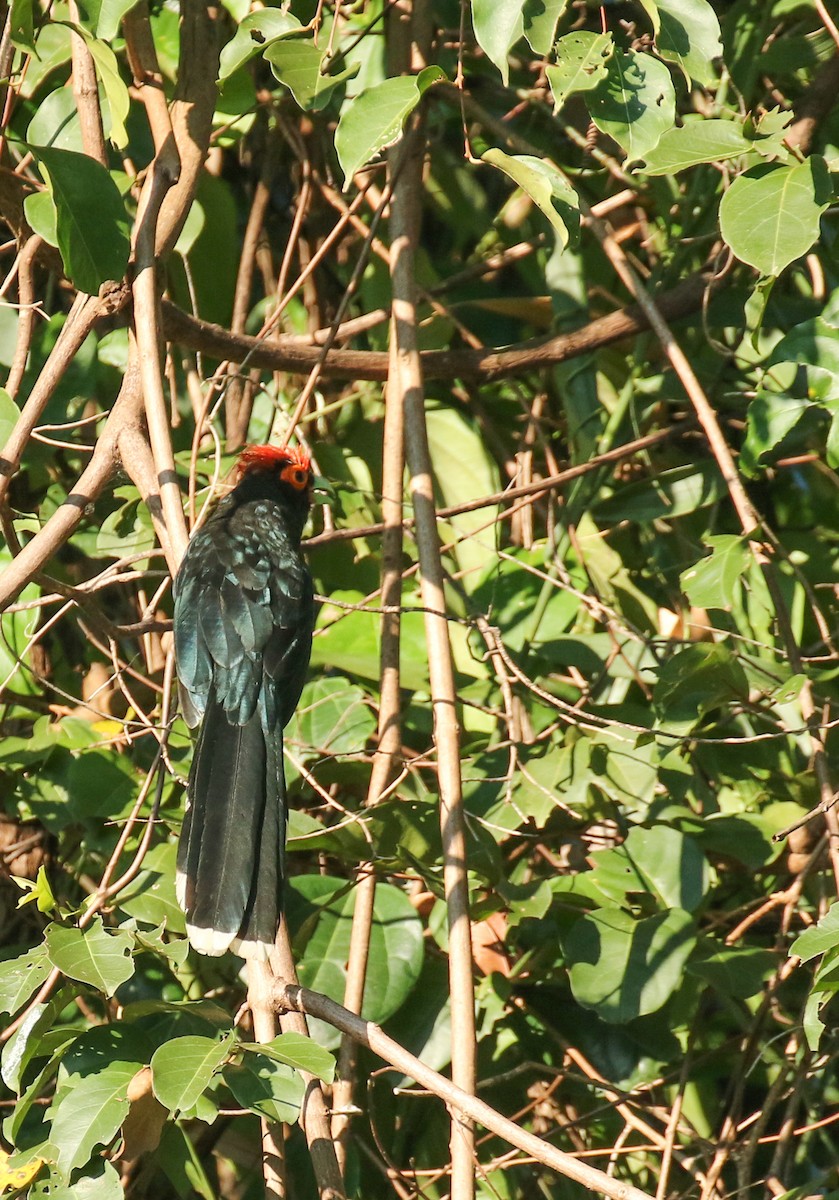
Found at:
[288, 997]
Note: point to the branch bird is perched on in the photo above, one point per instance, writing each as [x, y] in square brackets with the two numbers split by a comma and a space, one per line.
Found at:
[244, 612]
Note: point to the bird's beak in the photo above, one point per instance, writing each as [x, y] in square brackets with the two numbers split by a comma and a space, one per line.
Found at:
[323, 492]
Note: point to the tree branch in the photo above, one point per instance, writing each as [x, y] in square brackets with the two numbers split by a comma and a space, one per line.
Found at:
[290, 997]
[485, 364]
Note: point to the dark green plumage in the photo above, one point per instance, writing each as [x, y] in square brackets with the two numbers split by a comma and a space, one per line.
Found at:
[243, 634]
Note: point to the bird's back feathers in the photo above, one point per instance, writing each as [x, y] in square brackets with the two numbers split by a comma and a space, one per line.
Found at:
[243, 629]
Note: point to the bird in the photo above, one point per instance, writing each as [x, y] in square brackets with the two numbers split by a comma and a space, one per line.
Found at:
[243, 620]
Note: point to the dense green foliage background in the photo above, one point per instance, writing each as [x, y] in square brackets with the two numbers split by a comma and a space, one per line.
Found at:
[646, 679]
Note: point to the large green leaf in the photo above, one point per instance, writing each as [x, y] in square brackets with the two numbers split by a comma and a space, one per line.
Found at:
[662, 861]
[266, 1087]
[320, 912]
[713, 581]
[770, 215]
[624, 968]
[150, 897]
[93, 955]
[666, 494]
[820, 938]
[463, 469]
[254, 34]
[297, 1051]
[634, 103]
[298, 64]
[687, 32]
[92, 222]
[332, 717]
[91, 1099]
[183, 1067]
[16, 628]
[540, 22]
[376, 117]
[698, 679]
[21, 977]
[697, 141]
[581, 64]
[498, 25]
[115, 90]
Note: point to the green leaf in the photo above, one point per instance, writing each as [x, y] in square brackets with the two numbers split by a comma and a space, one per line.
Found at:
[746, 837]
[540, 21]
[545, 187]
[320, 910]
[463, 468]
[769, 419]
[17, 628]
[91, 1099]
[36, 891]
[183, 1067]
[92, 955]
[712, 582]
[333, 717]
[100, 1181]
[127, 530]
[581, 64]
[22, 25]
[92, 223]
[813, 347]
[770, 215]
[116, 92]
[150, 897]
[21, 977]
[623, 968]
[687, 32]
[90, 1114]
[182, 1164]
[110, 16]
[697, 679]
[634, 103]
[255, 33]
[814, 1026]
[41, 213]
[697, 141]
[738, 971]
[9, 414]
[668, 494]
[498, 25]
[819, 938]
[297, 65]
[661, 861]
[298, 1051]
[266, 1087]
[9, 325]
[56, 123]
[375, 118]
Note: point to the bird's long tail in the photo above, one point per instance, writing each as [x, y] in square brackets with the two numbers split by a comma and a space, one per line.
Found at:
[230, 855]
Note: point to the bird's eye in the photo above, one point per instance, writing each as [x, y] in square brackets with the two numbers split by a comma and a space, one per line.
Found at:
[296, 477]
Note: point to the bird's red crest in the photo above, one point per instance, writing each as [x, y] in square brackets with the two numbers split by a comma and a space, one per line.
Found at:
[272, 458]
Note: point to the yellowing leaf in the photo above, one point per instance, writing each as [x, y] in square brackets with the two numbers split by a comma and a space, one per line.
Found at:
[14, 1178]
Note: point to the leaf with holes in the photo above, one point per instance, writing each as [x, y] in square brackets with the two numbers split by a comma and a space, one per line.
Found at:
[581, 63]
[634, 102]
[93, 955]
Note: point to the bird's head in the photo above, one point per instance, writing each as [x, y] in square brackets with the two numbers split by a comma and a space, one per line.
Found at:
[281, 475]
[287, 466]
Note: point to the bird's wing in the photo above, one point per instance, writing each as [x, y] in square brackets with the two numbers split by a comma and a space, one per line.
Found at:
[243, 613]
